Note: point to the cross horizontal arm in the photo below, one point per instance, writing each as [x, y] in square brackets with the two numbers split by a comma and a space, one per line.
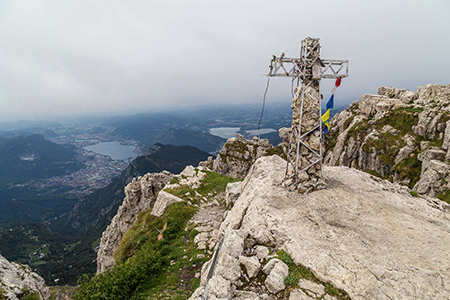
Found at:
[334, 68]
[292, 67]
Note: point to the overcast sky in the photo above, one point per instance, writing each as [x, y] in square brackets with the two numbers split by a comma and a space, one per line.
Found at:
[72, 57]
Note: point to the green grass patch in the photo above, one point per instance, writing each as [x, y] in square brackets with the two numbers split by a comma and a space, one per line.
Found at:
[409, 168]
[373, 173]
[330, 139]
[175, 180]
[414, 194]
[436, 143]
[297, 272]
[401, 119]
[212, 185]
[151, 260]
[30, 296]
[444, 196]
[215, 183]
[348, 122]
[96, 243]
[3, 294]
[278, 150]
[358, 131]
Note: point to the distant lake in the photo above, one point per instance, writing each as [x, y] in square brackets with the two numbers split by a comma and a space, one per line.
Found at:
[113, 149]
[227, 132]
[224, 132]
[261, 131]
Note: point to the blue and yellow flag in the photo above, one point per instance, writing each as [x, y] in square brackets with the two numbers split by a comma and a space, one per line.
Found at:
[326, 116]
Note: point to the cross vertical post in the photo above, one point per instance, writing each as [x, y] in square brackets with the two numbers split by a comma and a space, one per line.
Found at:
[305, 145]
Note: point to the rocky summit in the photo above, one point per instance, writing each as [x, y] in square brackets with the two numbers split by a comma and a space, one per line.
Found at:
[363, 235]
[399, 135]
[360, 238]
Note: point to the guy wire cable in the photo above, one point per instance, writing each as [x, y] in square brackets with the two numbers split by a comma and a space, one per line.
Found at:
[264, 104]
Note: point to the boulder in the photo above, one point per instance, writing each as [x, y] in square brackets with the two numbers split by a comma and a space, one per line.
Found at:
[376, 105]
[275, 280]
[228, 267]
[434, 178]
[298, 294]
[163, 201]
[428, 155]
[261, 252]
[251, 264]
[405, 96]
[219, 287]
[245, 295]
[232, 192]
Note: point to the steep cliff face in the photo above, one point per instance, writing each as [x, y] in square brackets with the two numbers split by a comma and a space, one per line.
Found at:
[140, 196]
[398, 135]
[18, 281]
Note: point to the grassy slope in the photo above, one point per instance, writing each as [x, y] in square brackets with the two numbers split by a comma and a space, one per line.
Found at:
[157, 257]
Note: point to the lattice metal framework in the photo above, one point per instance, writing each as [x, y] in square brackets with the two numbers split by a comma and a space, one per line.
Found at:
[308, 70]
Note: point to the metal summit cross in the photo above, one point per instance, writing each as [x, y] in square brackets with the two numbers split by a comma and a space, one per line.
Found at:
[305, 152]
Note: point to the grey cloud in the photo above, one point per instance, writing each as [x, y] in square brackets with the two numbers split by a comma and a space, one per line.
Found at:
[60, 57]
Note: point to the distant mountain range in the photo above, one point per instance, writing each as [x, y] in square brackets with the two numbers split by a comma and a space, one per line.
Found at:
[34, 157]
[178, 137]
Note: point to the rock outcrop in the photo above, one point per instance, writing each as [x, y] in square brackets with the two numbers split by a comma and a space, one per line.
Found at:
[18, 281]
[398, 135]
[140, 195]
[362, 234]
[238, 155]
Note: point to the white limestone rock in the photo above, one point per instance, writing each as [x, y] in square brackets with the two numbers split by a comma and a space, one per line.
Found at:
[298, 294]
[228, 267]
[361, 235]
[192, 177]
[434, 179]
[313, 289]
[238, 155]
[261, 252]
[15, 278]
[163, 201]
[245, 295]
[220, 287]
[232, 192]
[275, 280]
[251, 264]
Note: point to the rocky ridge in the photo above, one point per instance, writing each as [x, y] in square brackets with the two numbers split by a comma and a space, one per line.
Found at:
[18, 281]
[362, 234]
[400, 135]
[361, 238]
